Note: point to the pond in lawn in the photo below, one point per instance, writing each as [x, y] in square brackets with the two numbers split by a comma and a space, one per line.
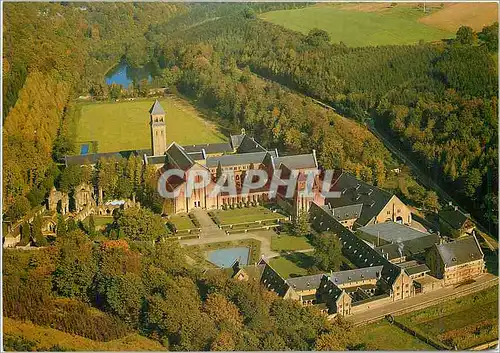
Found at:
[226, 257]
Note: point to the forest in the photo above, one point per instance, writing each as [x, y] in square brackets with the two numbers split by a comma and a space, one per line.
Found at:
[439, 100]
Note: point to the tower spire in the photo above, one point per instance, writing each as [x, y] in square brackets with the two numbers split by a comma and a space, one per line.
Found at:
[158, 129]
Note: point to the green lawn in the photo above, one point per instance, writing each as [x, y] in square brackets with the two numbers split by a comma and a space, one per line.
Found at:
[99, 221]
[125, 125]
[386, 337]
[398, 25]
[289, 243]
[246, 214]
[182, 222]
[292, 265]
[463, 322]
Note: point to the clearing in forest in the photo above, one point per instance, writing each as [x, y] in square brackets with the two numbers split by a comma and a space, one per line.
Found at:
[121, 126]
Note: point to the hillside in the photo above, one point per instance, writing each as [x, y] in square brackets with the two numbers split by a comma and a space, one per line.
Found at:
[45, 338]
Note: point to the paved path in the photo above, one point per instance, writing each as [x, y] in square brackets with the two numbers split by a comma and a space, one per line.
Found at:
[422, 300]
[262, 235]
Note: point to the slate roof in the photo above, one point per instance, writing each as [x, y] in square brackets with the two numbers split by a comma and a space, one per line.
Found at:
[346, 212]
[249, 145]
[460, 251]
[392, 232]
[237, 159]
[300, 161]
[422, 268]
[177, 156]
[209, 148]
[93, 158]
[236, 140]
[390, 251]
[155, 159]
[355, 249]
[455, 218]
[156, 108]
[409, 247]
[196, 156]
[358, 274]
[271, 280]
[354, 192]
[305, 282]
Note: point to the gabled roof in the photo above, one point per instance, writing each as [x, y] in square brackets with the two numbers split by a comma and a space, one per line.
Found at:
[196, 156]
[421, 268]
[157, 108]
[93, 158]
[460, 251]
[305, 282]
[358, 274]
[355, 249]
[343, 213]
[354, 191]
[237, 159]
[454, 217]
[236, 140]
[249, 145]
[209, 148]
[300, 161]
[271, 280]
[156, 159]
[177, 156]
[409, 248]
[392, 232]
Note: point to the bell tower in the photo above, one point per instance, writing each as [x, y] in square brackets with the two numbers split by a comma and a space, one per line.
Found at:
[158, 129]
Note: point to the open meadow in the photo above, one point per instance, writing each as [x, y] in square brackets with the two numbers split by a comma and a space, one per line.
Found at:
[121, 126]
[365, 24]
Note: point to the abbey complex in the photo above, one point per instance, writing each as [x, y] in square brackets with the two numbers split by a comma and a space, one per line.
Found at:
[392, 260]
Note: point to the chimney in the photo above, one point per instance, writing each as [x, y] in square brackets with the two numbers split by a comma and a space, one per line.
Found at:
[456, 208]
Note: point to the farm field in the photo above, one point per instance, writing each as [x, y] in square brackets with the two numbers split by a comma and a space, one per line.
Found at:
[386, 337]
[121, 126]
[356, 28]
[45, 338]
[364, 24]
[464, 322]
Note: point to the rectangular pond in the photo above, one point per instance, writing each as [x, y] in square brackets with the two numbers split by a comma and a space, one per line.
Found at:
[226, 257]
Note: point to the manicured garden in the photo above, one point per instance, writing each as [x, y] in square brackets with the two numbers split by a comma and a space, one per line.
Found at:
[462, 323]
[245, 218]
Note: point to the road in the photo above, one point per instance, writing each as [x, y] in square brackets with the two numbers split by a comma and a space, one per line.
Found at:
[422, 300]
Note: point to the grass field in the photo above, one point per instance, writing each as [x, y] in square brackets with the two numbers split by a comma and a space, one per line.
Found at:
[125, 125]
[347, 24]
[386, 337]
[463, 322]
[99, 221]
[292, 265]
[46, 338]
[182, 222]
[245, 214]
[289, 243]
